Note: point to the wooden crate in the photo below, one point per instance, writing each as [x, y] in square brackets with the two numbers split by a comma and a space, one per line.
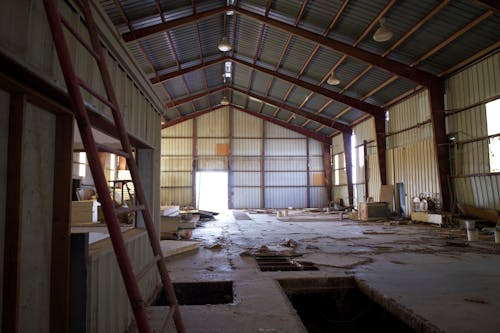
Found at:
[369, 211]
[81, 211]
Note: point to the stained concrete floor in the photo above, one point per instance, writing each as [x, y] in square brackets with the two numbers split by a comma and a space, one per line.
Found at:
[416, 271]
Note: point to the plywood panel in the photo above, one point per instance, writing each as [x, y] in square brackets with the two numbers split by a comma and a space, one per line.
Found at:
[36, 223]
[318, 179]
[4, 131]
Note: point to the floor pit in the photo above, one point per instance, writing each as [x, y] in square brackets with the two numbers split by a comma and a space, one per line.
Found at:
[337, 305]
[200, 293]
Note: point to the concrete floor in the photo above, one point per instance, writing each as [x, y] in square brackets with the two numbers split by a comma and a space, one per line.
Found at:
[412, 270]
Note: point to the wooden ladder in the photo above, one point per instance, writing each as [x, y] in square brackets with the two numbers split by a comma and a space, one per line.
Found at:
[74, 84]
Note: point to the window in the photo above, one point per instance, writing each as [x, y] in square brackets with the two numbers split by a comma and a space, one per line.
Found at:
[493, 125]
[82, 159]
[337, 169]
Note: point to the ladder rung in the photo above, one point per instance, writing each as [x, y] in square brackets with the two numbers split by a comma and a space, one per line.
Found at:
[126, 210]
[108, 149]
[159, 318]
[78, 37]
[94, 93]
[146, 268]
[169, 317]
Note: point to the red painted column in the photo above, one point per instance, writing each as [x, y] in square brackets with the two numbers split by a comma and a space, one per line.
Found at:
[381, 147]
[327, 162]
[436, 97]
[348, 165]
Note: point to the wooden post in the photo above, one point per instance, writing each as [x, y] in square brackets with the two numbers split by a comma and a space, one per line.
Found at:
[229, 159]
[13, 214]
[61, 228]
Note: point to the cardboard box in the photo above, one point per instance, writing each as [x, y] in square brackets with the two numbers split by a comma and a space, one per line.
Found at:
[369, 211]
[81, 211]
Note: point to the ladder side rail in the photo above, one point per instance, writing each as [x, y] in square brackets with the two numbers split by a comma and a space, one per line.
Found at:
[94, 164]
[140, 195]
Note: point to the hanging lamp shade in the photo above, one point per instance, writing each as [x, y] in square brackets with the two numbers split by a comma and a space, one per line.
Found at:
[224, 101]
[382, 34]
[224, 45]
[333, 79]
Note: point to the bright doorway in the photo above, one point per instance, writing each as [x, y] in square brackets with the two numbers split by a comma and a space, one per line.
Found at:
[211, 191]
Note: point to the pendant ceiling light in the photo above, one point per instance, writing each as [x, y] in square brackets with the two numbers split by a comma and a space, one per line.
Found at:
[224, 45]
[382, 34]
[224, 101]
[333, 79]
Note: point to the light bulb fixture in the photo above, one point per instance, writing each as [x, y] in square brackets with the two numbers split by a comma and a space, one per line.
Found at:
[333, 79]
[224, 101]
[224, 45]
[382, 34]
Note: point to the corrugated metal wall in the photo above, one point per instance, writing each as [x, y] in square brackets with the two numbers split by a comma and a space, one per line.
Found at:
[177, 164]
[246, 158]
[339, 177]
[470, 90]
[109, 309]
[29, 41]
[269, 166]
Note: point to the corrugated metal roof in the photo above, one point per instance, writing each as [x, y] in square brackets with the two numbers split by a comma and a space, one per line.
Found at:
[355, 18]
[176, 88]
[297, 53]
[248, 32]
[274, 41]
[316, 17]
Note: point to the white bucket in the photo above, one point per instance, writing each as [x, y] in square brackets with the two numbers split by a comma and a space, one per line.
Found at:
[285, 212]
[469, 225]
[279, 214]
[472, 235]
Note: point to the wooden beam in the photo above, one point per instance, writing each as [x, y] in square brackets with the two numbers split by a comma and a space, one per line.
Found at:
[436, 97]
[61, 229]
[319, 119]
[389, 65]
[165, 26]
[295, 128]
[327, 165]
[346, 138]
[353, 102]
[14, 215]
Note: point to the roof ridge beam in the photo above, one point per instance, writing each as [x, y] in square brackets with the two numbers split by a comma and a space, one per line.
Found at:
[292, 127]
[372, 109]
[314, 117]
[392, 66]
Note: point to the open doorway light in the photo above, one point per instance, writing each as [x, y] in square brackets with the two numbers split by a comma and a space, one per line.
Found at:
[211, 191]
[493, 125]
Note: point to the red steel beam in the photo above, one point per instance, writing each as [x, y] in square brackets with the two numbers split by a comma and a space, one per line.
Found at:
[166, 77]
[327, 165]
[164, 26]
[295, 128]
[381, 147]
[436, 96]
[319, 119]
[346, 138]
[188, 99]
[189, 116]
[353, 102]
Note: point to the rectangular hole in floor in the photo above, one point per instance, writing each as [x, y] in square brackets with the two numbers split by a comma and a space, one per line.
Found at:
[200, 293]
[283, 263]
[337, 305]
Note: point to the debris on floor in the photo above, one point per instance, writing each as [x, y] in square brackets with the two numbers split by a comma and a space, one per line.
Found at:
[336, 260]
[476, 299]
